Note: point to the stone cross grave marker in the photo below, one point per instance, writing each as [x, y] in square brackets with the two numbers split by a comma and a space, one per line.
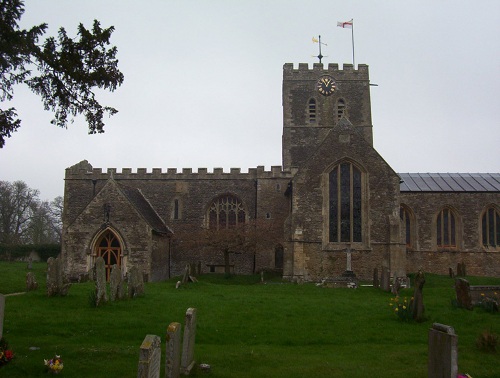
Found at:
[187, 361]
[173, 351]
[2, 312]
[442, 359]
[150, 357]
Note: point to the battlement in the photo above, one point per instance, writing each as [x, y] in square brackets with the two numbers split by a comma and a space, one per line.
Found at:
[303, 72]
[87, 172]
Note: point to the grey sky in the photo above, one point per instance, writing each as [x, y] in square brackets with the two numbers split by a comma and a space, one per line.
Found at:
[203, 84]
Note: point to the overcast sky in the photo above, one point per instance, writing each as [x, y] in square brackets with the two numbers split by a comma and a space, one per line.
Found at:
[203, 84]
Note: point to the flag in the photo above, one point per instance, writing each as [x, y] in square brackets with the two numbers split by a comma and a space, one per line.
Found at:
[315, 40]
[346, 24]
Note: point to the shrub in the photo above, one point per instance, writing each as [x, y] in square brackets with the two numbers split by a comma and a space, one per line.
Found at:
[487, 341]
[489, 304]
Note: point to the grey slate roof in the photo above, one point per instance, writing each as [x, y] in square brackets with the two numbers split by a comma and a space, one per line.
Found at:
[450, 182]
[143, 206]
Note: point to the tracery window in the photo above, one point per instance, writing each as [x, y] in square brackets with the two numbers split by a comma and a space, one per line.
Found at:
[226, 211]
[345, 201]
[446, 229]
[109, 248]
[490, 228]
[312, 110]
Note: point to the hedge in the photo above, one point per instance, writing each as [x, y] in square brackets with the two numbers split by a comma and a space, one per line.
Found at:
[19, 252]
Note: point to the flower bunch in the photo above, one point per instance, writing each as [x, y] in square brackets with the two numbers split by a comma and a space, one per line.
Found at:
[401, 307]
[5, 353]
[490, 304]
[55, 365]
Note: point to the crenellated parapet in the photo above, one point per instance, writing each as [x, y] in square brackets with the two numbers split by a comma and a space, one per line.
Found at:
[303, 72]
[86, 171]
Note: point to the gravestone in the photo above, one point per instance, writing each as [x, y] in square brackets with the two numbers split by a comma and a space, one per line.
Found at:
[2, 312]
[187, 362]
[56, 280]
[396, 286]
[417, 306]
[185, 276]
[150, 357]
[135, 283]
[173, 351]
[461, 271]
[100, 281]
[450, 272]
[442, 359]
[376, 282]
[385, 283]
[30, 263]
[31, 283]
[462, 292]
[116, 284]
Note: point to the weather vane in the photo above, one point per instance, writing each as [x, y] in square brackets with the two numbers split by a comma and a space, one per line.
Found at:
[318, 41]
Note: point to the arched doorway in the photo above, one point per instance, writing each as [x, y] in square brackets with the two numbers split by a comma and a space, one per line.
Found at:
[109, 248]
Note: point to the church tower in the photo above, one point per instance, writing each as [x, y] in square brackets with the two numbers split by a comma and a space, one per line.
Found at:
[315, 100]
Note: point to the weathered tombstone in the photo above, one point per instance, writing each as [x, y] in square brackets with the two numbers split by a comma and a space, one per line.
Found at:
[461, 270]
[30, 263]
[376, 282]
[2, 312]
[173, 351]
[187, 362]
[442, 359]
[56, 281]
[31, 283]
[450, 272]
[185, 276]
[386, 279]
[135, 283]
[396, 286]
[462, 292]
[417, 306]
[116, 283]
[100, 281]
[150, 357]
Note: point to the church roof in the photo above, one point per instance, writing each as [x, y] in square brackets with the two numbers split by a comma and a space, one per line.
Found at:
[143, 206]
[450, 182]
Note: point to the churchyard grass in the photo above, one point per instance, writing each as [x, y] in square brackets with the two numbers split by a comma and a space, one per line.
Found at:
[244, 329]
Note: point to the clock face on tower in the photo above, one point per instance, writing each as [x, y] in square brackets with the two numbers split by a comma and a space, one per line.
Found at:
[326, 85]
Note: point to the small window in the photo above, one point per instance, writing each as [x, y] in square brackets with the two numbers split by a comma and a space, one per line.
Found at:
[268, 215]
[176, 209]
[340, 108]
[490, 228]
[312, 110]
[406, 225]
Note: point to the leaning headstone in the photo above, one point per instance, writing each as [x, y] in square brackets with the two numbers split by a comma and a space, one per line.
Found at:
[187, 362]
[173, 351]
[31, 283]
[56, 280]
[462, 292]
[2, 312]
[442, 359]
[417, 306]
[100, 281]
[150, 357]
[376, 282]
[135, 283]
[385, 279]
[115, 283]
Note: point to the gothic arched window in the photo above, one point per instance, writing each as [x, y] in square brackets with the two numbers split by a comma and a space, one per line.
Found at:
[345, 204]
[312, 110]
[108, 247]
[446, 229]
[407, 225]
[490, 228]
[226, 211]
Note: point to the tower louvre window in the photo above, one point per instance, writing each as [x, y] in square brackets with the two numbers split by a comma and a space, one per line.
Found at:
[340, 108]
[312, 110]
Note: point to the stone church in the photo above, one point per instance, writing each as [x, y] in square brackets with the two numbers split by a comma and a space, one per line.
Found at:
[334, 202]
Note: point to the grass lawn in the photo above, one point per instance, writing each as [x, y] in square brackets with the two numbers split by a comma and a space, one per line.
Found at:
[244, 329]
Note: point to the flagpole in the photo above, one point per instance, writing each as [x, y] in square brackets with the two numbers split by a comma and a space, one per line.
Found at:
[352, 34]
